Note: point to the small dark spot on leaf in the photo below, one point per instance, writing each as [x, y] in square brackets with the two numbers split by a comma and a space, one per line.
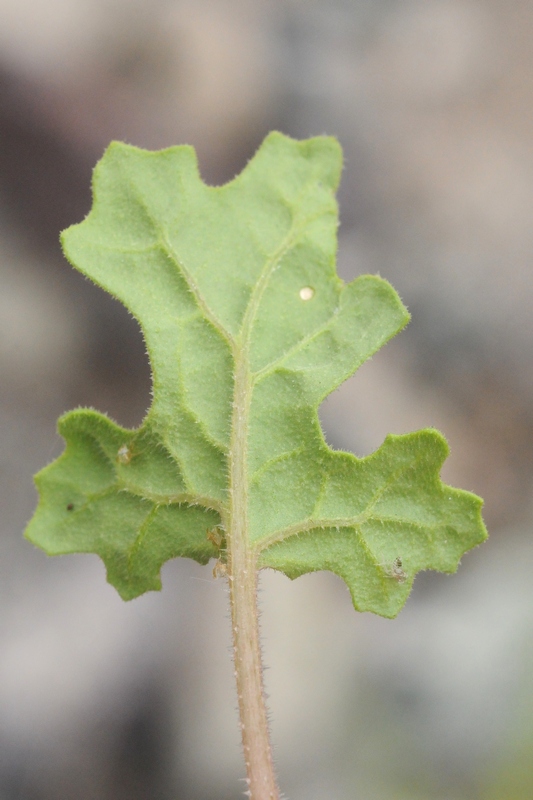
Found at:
[70, 507]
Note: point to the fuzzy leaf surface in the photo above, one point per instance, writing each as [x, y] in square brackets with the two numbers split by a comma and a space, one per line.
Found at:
[236, 292]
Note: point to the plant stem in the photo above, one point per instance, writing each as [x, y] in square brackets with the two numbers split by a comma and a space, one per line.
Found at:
[242, 575]
[248, 674]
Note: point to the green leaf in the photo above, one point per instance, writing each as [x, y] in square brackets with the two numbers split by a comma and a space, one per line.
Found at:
[248, 328]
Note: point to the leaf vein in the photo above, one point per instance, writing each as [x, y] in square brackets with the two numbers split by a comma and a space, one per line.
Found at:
[167, 248]
[275, 460]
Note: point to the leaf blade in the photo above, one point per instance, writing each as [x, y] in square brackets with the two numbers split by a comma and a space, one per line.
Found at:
[237, 296]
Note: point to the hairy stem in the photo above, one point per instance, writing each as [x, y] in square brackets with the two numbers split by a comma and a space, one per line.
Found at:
[248, 673]
[242, 575]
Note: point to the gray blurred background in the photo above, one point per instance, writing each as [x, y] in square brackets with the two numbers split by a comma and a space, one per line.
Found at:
[432, 101]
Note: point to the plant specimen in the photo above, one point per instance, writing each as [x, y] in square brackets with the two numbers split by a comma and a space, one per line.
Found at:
[248, 328]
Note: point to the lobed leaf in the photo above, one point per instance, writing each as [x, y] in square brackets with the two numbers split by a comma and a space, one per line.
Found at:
[237, 296]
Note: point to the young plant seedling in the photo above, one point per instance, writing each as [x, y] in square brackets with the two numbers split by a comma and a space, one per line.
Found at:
[248, 328]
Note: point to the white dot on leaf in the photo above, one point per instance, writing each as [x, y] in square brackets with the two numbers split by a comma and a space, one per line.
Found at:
[307, 293]
[124, 454]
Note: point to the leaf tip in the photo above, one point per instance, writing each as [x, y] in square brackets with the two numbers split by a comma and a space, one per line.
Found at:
[324, 152]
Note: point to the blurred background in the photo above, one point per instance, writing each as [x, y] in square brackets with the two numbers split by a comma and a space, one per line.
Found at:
[432, 101]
